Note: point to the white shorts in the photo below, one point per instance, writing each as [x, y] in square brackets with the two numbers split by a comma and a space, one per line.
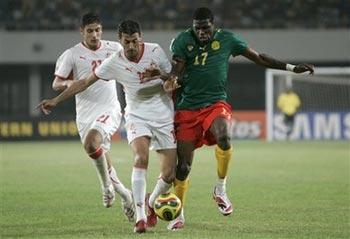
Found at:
[106, 124]
[162, 135]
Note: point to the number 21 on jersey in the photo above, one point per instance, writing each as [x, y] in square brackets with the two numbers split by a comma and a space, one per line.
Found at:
[201, 59]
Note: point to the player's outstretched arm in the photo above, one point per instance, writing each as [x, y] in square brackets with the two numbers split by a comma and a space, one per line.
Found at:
[153, 73]
[270, 62]
[77, 86]
[177, 69]
[170, 81]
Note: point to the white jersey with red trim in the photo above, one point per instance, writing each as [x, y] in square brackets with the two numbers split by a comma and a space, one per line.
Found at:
[78, 62]
[146, 101]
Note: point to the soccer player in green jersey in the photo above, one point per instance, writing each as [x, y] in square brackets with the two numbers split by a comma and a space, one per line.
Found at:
[200, 56]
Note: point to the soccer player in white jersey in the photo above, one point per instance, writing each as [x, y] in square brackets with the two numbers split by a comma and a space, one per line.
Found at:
[149, 113]
[97, 108]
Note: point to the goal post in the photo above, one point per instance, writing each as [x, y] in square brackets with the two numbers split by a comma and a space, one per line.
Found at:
[324, 113]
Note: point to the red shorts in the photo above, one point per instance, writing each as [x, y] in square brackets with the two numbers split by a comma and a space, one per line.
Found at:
[194, 125]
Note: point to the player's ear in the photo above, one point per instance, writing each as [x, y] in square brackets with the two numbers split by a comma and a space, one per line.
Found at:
[119, 37]
[140, 38]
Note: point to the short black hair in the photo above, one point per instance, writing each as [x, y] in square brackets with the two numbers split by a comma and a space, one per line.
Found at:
[203, 13]
[89, 18]
[128, 27]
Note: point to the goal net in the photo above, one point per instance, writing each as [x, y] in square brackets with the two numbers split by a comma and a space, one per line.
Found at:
[324, 112]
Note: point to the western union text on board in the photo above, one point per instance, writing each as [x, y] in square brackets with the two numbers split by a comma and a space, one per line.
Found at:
[13, 129]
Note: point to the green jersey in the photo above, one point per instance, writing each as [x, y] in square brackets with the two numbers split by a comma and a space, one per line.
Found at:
[205, 77]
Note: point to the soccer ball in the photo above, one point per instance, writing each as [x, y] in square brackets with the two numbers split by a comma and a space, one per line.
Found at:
[167, 206]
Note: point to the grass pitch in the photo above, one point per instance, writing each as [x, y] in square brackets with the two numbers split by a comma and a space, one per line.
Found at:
[280, 190]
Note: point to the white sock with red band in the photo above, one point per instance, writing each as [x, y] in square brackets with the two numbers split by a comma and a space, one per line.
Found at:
[138, 181]
[100, 162]
[118, 185]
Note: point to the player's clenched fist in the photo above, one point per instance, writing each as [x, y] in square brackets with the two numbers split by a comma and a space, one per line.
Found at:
[171, 84]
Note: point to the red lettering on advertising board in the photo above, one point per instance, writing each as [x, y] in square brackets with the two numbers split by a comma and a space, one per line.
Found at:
[249, 124]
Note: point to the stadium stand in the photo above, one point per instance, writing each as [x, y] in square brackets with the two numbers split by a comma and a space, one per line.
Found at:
[173, 14]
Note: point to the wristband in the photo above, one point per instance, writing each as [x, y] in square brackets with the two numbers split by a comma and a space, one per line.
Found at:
[290, 67]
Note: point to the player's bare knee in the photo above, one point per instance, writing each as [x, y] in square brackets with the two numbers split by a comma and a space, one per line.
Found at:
[92, 141]
[93, 149]
[224, 142]
[91, 146]
[141, 161]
